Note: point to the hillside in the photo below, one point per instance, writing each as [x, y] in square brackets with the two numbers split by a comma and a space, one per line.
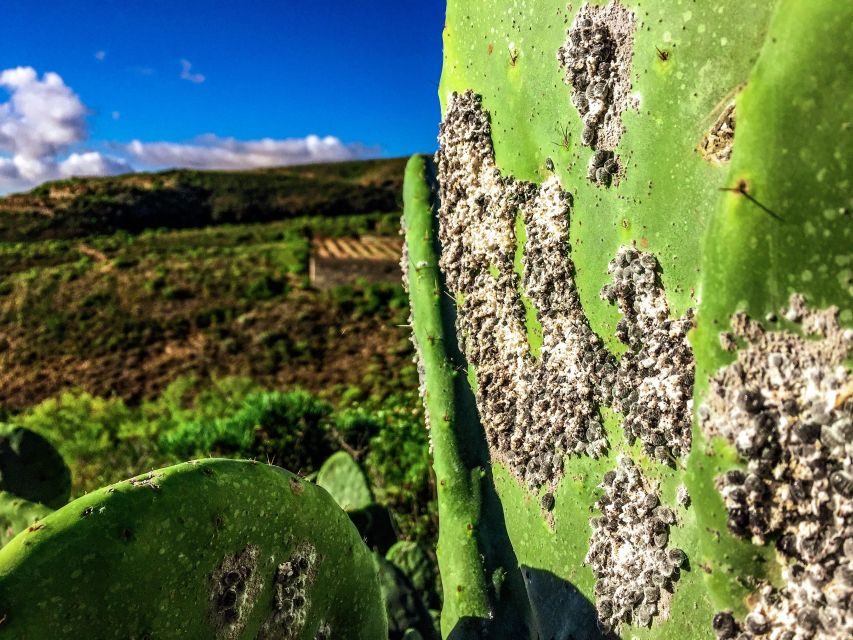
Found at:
[132, 333]
[187, 199]
[120, 285]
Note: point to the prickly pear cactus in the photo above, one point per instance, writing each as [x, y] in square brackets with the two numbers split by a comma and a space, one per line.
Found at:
[630, 276]
[341, 476]
[410, 558]
[404, 605]
[16, 514]
[31, 468]
[205, 549]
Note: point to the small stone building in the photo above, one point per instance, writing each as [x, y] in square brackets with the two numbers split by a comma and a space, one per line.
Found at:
[339, 261]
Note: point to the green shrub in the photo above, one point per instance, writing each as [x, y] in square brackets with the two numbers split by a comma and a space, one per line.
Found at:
[189, 398]
[172, 292]
[105, 440]
[264, 287]
[392, 434]
[93, 437]
[155, 283]
[125, 262]
[287, 428]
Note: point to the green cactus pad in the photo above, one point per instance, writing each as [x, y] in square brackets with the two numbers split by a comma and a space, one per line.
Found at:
[205, 549]
[616, 181]
[341, 476]
[483, 591]
[376, 525]
[410, 558]
[31, 468]
[403, 603]
[16, 514]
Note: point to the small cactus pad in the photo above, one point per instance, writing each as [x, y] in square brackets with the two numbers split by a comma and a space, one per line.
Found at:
[341, 476]
[403, 603]
[410, 558]
[218, 549]
[31, 468]
[16, 514]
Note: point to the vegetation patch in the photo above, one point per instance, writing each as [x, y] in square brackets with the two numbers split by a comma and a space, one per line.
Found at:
[191, 199]
[225, 300]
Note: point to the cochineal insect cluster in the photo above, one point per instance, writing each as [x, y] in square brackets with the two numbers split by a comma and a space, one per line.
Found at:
[235, 584]
[535, 410]
[628, 552]
[654, 387]
[602, 167]
[597, 61]
[290, 595]
[786, 405]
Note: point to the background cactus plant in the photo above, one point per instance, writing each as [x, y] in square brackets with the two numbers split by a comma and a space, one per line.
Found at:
[16, 514]
[31, 468]
[278, 559]
[407, 576]
[617, 186]
[404, 604]
[410, 558]
[34, 480]
[341, 476]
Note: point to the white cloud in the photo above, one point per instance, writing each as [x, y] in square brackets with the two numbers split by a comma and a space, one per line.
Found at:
[39, 122]
[213, 152]
[43, 136]
[100, 56]
[92, 163]
[186, 73]
[41, 117]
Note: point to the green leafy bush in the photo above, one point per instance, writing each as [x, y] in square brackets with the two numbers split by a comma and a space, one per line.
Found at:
[287, 428]
[97, 437]
[392, 436]
[105, 440]
[265, 287]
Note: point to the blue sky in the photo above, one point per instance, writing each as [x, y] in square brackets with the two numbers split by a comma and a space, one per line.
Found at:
[169, 71]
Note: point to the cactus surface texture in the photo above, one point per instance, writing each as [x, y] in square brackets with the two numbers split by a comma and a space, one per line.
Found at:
[204, 549]
[631, 282]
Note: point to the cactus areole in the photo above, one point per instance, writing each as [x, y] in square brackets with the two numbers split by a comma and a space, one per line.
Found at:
[633, 250]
